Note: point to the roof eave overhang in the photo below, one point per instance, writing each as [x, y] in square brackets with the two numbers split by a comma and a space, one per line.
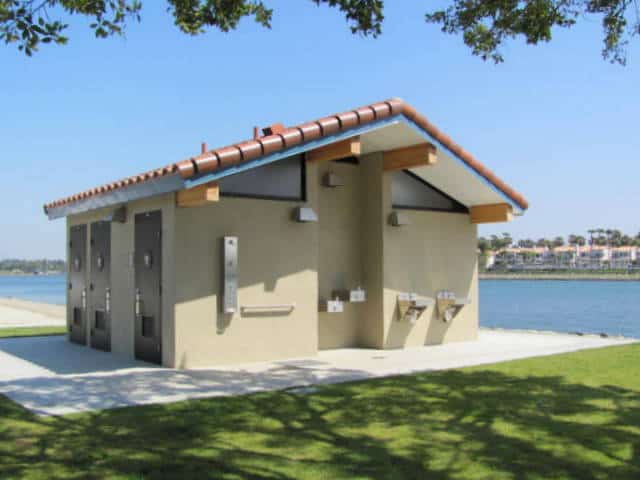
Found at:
[138, 191]
[175, 182]
[517, 209]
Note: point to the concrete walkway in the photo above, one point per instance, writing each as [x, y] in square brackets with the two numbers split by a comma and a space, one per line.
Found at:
[22, 313]
[50, 376]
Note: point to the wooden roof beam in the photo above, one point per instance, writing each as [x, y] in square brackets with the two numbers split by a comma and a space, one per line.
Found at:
[198, 196]
[493, 213]
[335, 151]
[421, 155]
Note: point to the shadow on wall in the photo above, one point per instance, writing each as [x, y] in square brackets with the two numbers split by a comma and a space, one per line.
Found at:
[271, 246]
[474, 424]
[435, 252]
[436, 327]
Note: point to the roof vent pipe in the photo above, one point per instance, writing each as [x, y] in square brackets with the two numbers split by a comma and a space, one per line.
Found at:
[203, 147]
[256, 133]
[273, 129]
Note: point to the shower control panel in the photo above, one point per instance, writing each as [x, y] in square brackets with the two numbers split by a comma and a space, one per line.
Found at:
[230, 275]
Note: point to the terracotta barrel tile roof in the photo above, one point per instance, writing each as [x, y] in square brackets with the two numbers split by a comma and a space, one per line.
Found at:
[289, 137]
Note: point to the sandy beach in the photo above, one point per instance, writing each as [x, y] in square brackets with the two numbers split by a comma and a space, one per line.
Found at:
[23, 313]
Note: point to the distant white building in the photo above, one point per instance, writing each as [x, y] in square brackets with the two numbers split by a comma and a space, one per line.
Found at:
[522, 258]
[594, 257]
[566, 257]
[623, 257]
[490, 259]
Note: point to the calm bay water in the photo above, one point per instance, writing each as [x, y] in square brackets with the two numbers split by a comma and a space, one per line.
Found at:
[571, 306]
[38, 288]
[564, 306]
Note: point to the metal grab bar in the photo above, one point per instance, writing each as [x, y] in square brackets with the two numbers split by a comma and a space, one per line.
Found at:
[286, 306]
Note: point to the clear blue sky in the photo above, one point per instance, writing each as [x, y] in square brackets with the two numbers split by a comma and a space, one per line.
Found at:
[555, 121]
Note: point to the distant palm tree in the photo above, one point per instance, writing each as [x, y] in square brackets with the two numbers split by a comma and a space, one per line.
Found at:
[600, 239]
[616, 238]
[506, 240]
[483, 244]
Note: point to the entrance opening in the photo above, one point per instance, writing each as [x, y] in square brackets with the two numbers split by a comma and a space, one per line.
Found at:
[148, 281]
[100, 291]
[78, 284]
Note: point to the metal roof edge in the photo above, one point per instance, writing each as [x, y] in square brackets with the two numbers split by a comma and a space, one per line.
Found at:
[137, 191]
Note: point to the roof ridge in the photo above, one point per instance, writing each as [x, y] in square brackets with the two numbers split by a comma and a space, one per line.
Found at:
[251, 149]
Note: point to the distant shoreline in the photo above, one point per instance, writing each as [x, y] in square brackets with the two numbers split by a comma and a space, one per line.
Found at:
[4, 273]
[614, 277]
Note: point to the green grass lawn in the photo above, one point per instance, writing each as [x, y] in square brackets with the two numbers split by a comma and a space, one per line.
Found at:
[571, 416]
[31, 331]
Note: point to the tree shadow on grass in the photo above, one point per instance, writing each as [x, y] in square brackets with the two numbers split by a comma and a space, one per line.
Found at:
[454, 424]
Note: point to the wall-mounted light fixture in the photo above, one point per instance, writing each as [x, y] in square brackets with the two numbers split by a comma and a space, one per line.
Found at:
[398, 219]
[332, 180]
[118, 215]
[304, 215]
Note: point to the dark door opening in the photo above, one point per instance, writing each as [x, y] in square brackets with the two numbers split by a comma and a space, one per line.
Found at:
[78, 284]
[100, 286]
[148, 294]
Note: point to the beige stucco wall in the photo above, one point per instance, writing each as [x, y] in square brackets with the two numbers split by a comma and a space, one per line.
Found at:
[277, 264]
[437, 251]
[340, 253]
[358, 246]
[122, 273]
[374, 209]
[283, 262]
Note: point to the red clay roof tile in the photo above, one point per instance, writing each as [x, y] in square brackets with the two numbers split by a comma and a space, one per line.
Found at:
[310, 131]
[291, 137]
[280, 138]
[271, 144]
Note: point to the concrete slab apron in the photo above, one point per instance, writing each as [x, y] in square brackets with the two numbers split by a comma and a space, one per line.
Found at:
[50, 376]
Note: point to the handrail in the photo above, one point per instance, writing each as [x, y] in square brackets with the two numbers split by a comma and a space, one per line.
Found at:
[286, 306]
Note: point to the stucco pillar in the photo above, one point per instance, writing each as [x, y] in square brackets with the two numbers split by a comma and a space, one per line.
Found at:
[375, 195]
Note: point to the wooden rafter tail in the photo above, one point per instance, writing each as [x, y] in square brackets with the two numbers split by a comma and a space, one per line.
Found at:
[493, 213]
[198, 196]
[421, 155]
[335, 151]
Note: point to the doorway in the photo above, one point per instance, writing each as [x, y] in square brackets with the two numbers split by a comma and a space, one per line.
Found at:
[78, 284]
[148, 286]
[100, 286]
